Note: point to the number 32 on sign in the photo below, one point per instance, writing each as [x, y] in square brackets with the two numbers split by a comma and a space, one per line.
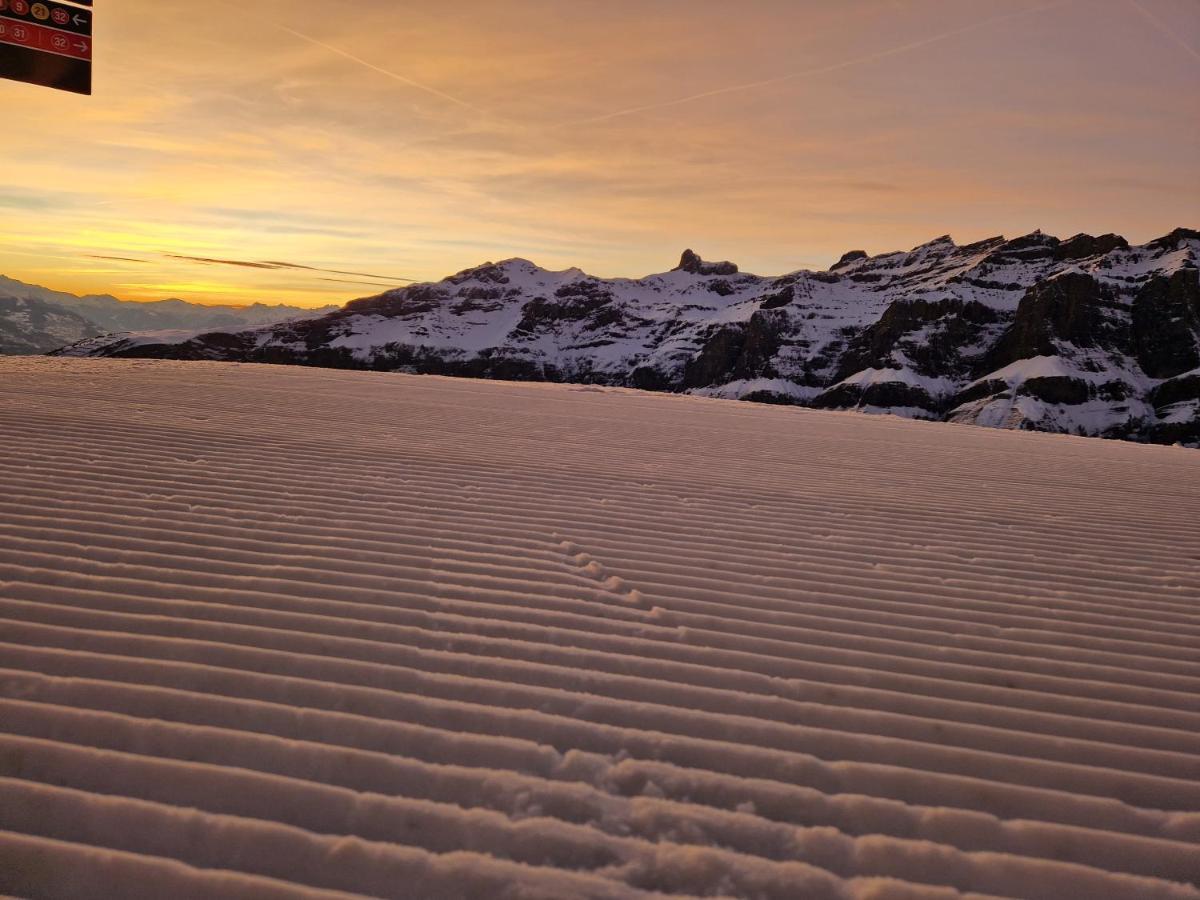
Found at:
[47, 43]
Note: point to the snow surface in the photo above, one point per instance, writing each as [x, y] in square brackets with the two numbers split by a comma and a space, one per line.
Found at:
[285, 632]
[868, 377]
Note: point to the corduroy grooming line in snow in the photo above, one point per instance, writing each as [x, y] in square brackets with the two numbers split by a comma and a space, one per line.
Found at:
[286, 632]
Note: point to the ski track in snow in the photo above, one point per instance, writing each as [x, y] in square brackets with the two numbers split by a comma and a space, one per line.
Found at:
[280, 632]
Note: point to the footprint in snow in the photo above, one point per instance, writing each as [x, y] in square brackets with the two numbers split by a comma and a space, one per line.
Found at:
[587, 566]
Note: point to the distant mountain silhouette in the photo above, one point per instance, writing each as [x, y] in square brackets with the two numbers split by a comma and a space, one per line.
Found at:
[35, 319]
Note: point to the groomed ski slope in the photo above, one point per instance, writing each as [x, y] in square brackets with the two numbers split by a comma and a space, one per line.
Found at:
[280, 632]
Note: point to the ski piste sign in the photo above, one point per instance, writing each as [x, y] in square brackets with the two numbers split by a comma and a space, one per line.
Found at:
[48, 43]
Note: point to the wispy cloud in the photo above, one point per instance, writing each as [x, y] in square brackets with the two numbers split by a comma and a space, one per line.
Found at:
[213, 261]
[33, 200]
[375, 284]
[117, 258]
[287, 265]
[822, 70]
[277, 264]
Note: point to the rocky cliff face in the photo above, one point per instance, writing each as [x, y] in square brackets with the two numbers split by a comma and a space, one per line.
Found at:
[1085, 336]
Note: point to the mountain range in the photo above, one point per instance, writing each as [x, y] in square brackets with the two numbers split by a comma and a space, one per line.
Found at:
[35, 319]
[1087, 335]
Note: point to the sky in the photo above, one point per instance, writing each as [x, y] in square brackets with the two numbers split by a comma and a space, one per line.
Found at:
[311, 151]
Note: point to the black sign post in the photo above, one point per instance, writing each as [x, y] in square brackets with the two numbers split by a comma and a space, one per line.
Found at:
[47, 42]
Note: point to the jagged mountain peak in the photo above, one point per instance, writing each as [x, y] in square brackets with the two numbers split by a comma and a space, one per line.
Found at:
[494, 271]
[945, 242]
[691, 262]
[519, 264]
[847, 258]
[859, 260]
[1082, 245]
[986, 244]
[1175, 240]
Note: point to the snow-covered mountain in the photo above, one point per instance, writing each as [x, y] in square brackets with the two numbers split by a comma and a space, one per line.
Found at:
[35, 319]
[1087, 335]
[29, 325]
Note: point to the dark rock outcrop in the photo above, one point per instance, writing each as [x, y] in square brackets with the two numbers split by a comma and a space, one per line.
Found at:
[783, 297]
[937, 331]
[1071, 308]
[691, 262]
[735, 352]
[1056, 389]
[1174, 239]
[1176, 390]
[410, 301]
[1084, 245]
[1166, 324]
[848, 258]
[883, 395]
[586, 302]
[1028, 247]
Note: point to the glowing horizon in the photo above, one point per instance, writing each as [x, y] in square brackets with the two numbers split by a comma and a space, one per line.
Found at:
[288, 156]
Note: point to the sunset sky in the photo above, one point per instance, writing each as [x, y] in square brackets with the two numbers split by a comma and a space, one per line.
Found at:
[341, 148]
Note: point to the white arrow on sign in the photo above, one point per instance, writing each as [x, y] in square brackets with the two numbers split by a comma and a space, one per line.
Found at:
[81, 46]
[79, 20]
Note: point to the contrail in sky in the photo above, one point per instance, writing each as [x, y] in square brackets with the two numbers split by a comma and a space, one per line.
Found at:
[1157, 23]
[388, 73]
[382, 71]
[821, 70]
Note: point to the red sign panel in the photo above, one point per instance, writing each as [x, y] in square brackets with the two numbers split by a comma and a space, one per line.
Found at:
[48, 40]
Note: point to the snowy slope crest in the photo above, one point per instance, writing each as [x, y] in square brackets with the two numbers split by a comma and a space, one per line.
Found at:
[942, 331]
